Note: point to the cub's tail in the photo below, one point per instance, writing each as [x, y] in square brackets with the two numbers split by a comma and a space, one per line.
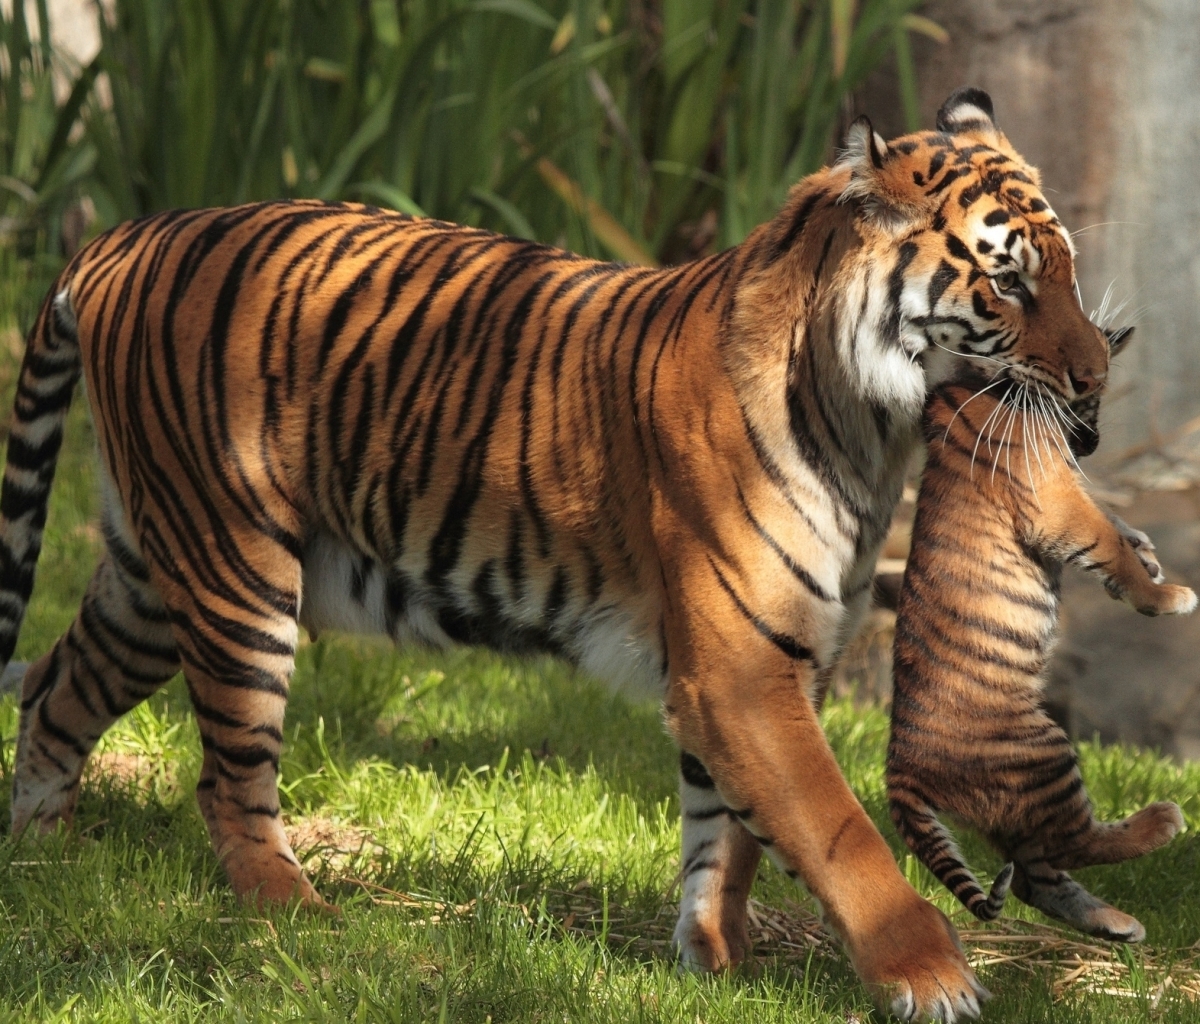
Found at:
[928, 838]
[49, 372]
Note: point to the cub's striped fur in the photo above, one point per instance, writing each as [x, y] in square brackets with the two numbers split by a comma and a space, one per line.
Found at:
[998, 514]
[343, 417]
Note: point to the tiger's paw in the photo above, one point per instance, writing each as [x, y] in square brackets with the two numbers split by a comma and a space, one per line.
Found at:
[268, 873]
[1068, 901]
[914, 968]
[282, 890]
[1169, 599]
[708, 945]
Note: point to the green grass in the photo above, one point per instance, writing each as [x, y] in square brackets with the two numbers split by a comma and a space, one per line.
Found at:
[459, 808]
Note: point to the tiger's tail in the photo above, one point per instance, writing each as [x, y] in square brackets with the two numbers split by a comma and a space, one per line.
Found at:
[46, 383]
[928, 838]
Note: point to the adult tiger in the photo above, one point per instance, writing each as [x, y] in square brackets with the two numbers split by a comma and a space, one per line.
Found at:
[340, 416]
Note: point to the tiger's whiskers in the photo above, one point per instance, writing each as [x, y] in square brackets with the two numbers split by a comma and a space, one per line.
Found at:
[1025, 420]
[984, 428]
[968, 402]
[1004, 444]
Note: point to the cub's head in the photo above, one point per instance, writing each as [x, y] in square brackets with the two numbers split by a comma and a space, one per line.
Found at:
[981, 268]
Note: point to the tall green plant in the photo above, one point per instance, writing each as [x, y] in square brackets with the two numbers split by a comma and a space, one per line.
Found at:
[642, 129]
[40, 165]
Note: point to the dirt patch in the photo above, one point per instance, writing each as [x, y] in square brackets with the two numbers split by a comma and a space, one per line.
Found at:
[324, 845]
[127, 769]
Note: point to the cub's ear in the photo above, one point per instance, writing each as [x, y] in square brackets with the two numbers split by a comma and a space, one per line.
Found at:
[967, 110]
[885, 198]
[1118, 338]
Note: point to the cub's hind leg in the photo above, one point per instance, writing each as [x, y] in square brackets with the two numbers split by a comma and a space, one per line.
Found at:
[233, 607]
[1113, 842]
[118, 651]
[1056, 894]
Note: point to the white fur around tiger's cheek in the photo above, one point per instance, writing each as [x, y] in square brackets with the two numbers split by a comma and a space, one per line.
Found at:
[914, 308]
[878, 362]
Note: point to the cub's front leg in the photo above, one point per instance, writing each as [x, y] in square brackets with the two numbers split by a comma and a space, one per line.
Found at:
[756, 759]
[1073, 528]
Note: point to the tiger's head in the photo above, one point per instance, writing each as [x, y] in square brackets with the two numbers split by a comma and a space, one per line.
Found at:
[984, 270]
[1083, 419]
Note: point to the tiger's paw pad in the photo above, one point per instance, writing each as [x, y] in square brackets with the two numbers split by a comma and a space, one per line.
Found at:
[1142, 546]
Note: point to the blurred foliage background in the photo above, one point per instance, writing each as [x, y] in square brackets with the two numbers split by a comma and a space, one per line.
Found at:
[649, 131]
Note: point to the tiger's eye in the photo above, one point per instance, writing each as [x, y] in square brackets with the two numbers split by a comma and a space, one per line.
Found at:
[1007, 281]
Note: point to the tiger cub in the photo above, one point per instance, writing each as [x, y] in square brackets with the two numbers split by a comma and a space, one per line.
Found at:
[998, 514]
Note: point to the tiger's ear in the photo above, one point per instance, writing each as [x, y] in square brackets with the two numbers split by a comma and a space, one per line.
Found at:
[969, 111]
[1118, 338]
[866, 154]
[864, 145]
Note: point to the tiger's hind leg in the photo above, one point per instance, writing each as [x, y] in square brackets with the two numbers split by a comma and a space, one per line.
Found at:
[236, 629]
[1044, 884]
[719, 862]
[118, 651]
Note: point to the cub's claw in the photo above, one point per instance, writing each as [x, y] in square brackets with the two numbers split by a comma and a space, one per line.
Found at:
[1142, 546]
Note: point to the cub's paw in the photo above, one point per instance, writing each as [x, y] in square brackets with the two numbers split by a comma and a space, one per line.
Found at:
[1156, 825]
[916, 969]
[1142, 545]
[1169, 599]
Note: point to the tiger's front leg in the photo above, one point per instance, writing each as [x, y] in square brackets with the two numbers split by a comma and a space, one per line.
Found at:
[1074, 528]
[738, 703]
[719, 862]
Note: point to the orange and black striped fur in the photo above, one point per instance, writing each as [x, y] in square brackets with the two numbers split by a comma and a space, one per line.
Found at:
[999, 512]
[338, 416]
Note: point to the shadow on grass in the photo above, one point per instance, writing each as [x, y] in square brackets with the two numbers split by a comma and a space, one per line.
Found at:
[462, 709]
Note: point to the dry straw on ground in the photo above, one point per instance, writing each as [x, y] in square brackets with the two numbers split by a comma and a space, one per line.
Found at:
[795, 935]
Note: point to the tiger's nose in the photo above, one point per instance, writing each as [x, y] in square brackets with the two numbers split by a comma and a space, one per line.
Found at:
[1085, 383]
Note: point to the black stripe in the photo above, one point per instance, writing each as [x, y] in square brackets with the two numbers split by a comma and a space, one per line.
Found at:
[694, 773]
[789, 645]
[793, 566]
[799, 221]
